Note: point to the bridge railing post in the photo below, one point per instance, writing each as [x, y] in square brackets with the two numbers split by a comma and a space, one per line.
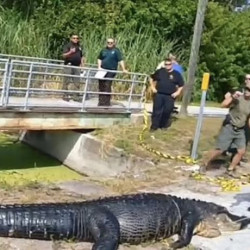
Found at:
[131, 92]
[4, 85]
[85, 91]
[142, 99]
[8, 82]
[45, 75]
[28, 87]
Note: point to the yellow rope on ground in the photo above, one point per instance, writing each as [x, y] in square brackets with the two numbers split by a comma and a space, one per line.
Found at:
[226, 184]
[186, 159]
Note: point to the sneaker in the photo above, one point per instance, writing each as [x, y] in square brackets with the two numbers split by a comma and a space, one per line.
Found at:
[233, 174]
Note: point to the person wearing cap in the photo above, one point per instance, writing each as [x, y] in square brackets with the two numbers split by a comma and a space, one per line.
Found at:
[233, 129]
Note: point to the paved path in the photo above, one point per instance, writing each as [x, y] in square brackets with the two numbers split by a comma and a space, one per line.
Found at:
[194, 110]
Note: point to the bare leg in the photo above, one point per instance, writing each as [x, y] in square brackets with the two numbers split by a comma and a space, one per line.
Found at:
[236, 159]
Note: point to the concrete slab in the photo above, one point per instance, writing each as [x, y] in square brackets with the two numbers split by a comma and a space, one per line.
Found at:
[194, 110]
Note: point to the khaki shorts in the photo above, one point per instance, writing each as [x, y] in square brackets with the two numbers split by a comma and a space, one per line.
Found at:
[228, 136]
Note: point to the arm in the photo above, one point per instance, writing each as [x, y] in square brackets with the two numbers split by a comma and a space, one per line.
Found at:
[153, 85]
[99, 60]
[83, 61]
[120, 60]
[123, 66]
[180, 84]
[177, 92]
[67, 52]
[99, 63]
[160, 65]
[230, 99]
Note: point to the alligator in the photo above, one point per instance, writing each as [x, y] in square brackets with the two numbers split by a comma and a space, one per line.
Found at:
[108, 222]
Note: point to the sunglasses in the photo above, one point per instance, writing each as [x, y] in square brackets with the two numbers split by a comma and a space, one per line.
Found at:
[247, 89]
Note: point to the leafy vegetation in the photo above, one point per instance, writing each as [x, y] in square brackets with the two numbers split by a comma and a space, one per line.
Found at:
[146, 31]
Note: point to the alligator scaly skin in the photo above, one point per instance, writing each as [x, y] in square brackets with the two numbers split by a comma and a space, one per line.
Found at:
[109, 221]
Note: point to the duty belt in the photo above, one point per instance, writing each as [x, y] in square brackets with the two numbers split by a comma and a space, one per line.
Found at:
[236, 128]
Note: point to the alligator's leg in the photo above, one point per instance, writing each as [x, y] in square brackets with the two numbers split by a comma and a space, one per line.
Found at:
[105, 229]
[208, 228]
[187, 228]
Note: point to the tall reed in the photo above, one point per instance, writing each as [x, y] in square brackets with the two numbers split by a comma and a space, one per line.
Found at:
[142, 50]
[21, 37]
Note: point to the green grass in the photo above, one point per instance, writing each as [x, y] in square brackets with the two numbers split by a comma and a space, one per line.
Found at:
[23, 165]
[177, 140]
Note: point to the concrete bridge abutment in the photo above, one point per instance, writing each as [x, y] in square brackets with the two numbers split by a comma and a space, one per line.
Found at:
[83, 152]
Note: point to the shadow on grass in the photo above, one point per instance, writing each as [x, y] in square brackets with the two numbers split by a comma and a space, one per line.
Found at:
[16, 155]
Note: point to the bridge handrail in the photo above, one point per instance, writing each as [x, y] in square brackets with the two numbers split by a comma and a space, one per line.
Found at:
[29, 58]
[27, 63]
[42, 73]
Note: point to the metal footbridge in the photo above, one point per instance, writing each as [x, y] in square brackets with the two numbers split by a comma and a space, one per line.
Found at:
[32, 96]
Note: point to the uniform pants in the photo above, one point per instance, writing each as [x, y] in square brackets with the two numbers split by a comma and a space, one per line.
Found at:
[71, 83]
[105, 86]
[163, 106]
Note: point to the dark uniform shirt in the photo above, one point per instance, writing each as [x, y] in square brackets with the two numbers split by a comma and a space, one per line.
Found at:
[74, 59]
[110, 58]
[167, 82]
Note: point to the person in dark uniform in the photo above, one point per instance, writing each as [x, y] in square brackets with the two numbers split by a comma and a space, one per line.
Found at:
[73, 56]
[108, 59]
[166, 84]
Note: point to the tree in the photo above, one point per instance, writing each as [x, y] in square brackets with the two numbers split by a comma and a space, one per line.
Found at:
[188, 89]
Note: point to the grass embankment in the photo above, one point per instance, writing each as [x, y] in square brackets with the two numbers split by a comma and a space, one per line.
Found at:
[177, 140]
[22, 165]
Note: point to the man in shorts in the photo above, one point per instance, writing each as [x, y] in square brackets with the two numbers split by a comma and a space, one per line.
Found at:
[232, 148]
[233, 129]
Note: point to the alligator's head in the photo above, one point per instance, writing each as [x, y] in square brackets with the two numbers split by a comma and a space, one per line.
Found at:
[230, 222]
[217, 219]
